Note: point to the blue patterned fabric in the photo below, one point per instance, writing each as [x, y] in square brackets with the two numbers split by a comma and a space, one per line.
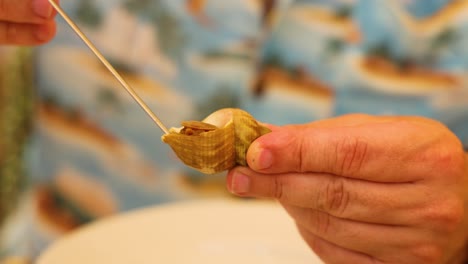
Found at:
[95, 152]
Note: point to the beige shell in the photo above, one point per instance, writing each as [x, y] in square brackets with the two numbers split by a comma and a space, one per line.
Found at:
[217, 149]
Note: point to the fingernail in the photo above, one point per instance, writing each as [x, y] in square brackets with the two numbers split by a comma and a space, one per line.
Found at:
[240, 183]
[42, 8]
[265, 159]
[42, 33]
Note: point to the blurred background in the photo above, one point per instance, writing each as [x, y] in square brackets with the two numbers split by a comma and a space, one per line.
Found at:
[75, 147]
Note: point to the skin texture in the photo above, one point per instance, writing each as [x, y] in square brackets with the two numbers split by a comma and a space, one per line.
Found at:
[365, 189]
[26, 22]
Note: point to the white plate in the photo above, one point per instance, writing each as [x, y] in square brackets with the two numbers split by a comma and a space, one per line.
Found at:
[211, 231]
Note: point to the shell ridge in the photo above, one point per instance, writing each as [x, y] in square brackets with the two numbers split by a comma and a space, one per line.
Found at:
[217, 149]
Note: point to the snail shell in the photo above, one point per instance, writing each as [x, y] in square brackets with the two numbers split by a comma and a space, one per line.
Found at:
[217, 143]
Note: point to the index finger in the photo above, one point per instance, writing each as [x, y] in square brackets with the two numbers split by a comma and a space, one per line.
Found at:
[384, 150]
[26, 11]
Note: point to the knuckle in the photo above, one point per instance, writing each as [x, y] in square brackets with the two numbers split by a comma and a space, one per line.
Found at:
[427, 253]
[444, 156]
[447, 216]
[449, 160]
[350, 155]
[278, 185]
[334, 197]
[303, 148]
[454, 215]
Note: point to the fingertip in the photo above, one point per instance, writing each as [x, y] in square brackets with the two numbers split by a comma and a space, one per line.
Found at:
[267, 149]
[42, 8]
[252, 153]
[23, 34]
[45, 32]
[237, 181]
[259, 158]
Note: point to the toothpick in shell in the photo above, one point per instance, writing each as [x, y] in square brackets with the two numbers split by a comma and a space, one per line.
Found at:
[217, 143]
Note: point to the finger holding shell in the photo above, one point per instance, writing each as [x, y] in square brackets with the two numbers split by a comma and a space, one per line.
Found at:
[218, 143]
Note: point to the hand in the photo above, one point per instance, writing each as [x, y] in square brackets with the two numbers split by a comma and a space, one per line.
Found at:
[26, 22]
[365, 189]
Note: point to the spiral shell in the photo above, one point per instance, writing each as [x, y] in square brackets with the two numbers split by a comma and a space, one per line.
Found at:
[218, 143]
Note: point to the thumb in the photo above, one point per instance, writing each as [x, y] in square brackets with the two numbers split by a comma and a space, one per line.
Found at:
[278, 151]
[364, 151]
